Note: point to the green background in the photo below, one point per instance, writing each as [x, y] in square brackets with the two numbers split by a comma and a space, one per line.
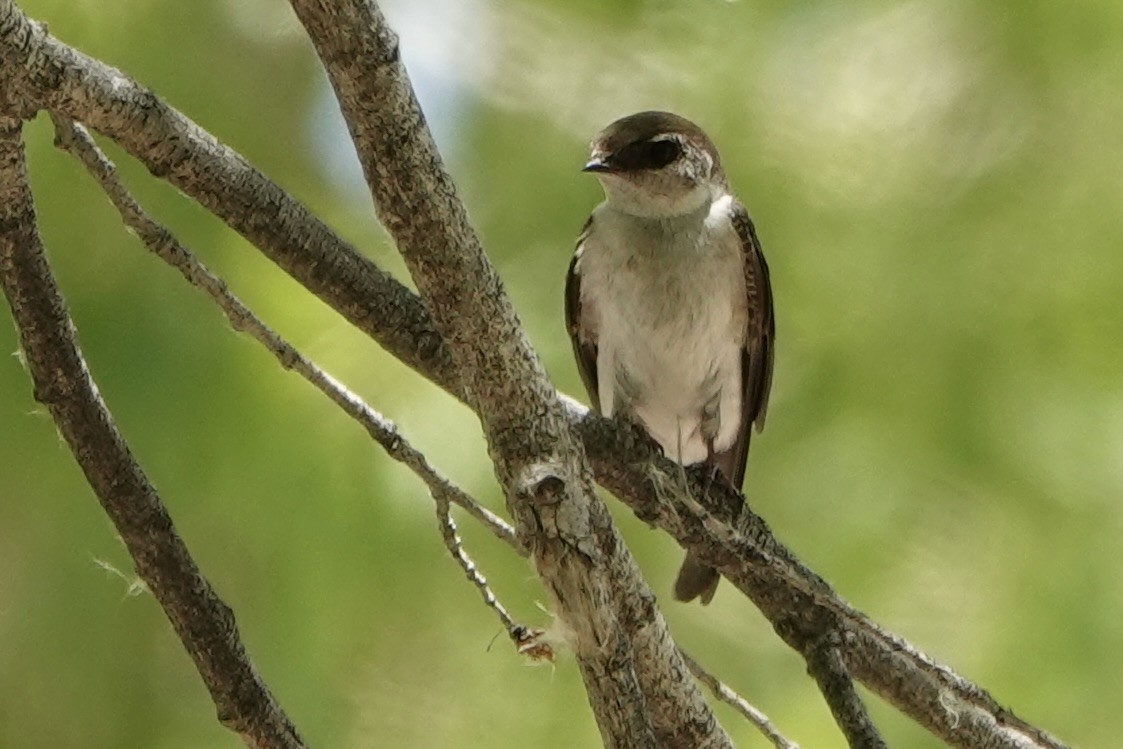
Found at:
[937, 187]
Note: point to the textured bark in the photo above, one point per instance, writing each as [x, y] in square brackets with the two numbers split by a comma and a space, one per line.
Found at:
[640, 689]
[37, 72]
[63, 384]
[801, 606]
[834, 681]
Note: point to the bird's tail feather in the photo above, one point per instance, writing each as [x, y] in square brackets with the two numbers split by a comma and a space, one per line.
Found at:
[696, 580]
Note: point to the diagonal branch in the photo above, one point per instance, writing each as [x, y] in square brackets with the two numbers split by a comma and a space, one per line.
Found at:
[829, 672]
[63, 383]
[77, 140]
[638, 685]
[722, 691]
[529, 641]
[37, 72]
[816, 638]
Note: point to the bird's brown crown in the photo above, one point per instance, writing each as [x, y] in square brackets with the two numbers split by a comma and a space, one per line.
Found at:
[650, 140]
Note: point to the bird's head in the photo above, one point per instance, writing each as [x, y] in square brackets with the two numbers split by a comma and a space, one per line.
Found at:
[656, 165]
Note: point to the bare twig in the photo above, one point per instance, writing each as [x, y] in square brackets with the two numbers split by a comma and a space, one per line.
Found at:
[529, 641]
[63, 383]
[724, 693]
[75, 139]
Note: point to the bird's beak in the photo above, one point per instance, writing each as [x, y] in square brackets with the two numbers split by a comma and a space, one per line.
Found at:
[597, 164]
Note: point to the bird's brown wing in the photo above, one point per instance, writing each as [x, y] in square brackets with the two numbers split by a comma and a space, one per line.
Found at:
[582, 332]
[697, 579]
[757, 356]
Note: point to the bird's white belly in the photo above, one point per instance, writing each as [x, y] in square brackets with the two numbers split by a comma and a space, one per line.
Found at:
[676, 365]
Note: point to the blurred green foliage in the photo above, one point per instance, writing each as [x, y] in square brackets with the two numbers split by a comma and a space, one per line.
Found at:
[937, 186]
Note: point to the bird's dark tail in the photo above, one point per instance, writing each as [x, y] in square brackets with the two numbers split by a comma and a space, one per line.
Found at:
[696, 580]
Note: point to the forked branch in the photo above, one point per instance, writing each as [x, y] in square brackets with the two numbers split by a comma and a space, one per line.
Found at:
[532, 642]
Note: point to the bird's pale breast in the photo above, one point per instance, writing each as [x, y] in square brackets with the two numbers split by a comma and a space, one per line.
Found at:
[670, 310]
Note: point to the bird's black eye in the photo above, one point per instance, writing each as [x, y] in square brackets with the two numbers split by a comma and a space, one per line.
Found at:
[663, 152]
[647, 154]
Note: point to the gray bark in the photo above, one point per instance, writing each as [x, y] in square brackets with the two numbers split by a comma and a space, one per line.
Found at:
[637, 683]
[63, 384]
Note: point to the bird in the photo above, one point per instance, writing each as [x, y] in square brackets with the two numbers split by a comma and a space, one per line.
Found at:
[668, 303]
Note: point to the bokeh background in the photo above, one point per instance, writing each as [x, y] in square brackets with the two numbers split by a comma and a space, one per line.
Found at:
[937, 186]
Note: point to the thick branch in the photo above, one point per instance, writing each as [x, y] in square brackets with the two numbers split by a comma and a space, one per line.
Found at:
[37, 72]
[640, 689]
[63, 384]
[800, 605]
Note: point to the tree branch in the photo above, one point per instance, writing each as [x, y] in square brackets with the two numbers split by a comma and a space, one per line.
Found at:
[739, 703]
[529, 641]
[76, 139]
[632, 670]
[829, 672]
[63, 384]
[38, 72]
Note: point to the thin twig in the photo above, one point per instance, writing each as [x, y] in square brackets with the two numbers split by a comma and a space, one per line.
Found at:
[723, 692]
[204, 623]
[75, 139]
[529, 641]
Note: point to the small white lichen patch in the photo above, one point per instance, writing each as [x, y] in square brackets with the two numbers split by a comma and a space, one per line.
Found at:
[951, 705]
[135, 586]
